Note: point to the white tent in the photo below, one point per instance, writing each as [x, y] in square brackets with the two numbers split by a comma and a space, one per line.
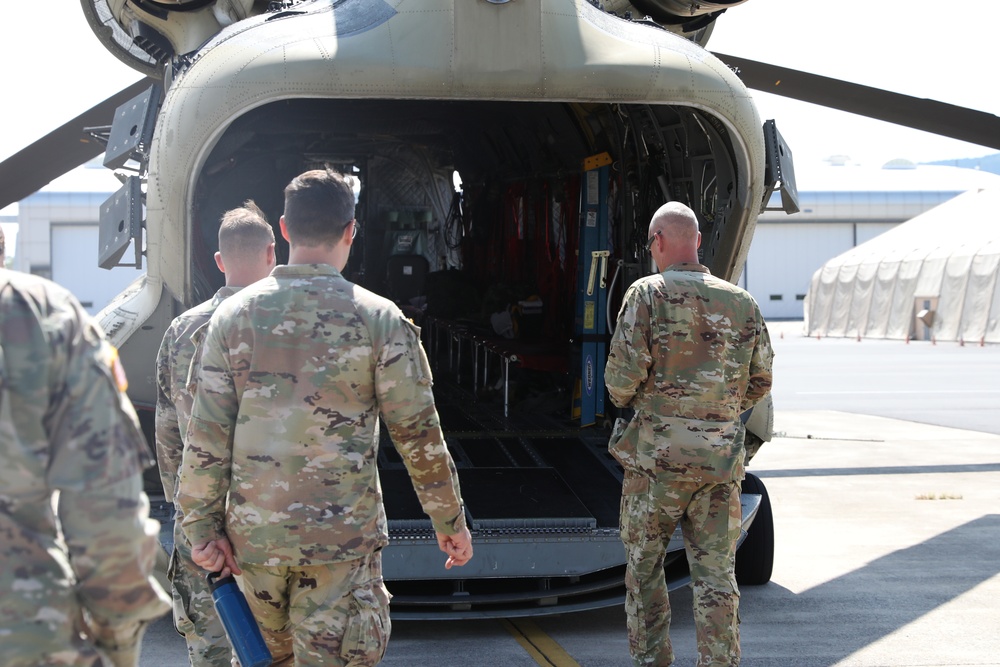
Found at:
[942, 264]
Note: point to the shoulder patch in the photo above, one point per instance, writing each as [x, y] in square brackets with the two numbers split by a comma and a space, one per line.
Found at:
[109, 357]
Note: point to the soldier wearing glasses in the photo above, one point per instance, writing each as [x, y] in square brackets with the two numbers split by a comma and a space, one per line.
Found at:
[689, 355]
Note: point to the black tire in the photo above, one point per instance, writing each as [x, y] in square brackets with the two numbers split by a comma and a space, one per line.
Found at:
[755, 557]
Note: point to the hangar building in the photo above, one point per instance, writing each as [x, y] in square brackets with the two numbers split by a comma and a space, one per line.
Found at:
[842, 205]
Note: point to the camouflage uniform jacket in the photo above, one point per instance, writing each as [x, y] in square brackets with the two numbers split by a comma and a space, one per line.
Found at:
[294, 373]
[173, 401]
[690, 353]
[66, 426]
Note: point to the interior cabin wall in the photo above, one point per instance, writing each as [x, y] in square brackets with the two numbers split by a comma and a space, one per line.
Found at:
[520, 245]
[517, 233]
[407, 207]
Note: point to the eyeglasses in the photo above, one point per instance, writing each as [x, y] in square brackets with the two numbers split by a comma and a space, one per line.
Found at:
[649, 241]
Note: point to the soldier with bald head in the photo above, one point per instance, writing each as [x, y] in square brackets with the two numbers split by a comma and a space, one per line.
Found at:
[279, 480]
[690, 354]
[246, 255]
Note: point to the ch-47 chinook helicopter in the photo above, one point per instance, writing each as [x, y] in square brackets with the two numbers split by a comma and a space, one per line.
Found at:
[568, 122]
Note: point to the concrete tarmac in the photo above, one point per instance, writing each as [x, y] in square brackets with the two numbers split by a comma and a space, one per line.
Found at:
[887, 554]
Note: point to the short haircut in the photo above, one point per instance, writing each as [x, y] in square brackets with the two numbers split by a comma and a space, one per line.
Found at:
[319, 205]
[244, 230]
[675, 220]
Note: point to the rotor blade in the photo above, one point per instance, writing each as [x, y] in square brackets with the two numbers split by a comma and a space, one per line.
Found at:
[947, 120]
[61, 150]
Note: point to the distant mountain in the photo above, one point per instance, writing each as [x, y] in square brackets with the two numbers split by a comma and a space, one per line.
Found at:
[990, 163]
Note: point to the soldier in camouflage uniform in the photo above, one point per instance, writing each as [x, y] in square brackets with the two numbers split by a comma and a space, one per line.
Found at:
[246, 255]
[689, 355]
[279, 476]
[77, 547]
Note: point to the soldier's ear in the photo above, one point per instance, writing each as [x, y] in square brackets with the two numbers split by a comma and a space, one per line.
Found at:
[219, 263]
[283, 229]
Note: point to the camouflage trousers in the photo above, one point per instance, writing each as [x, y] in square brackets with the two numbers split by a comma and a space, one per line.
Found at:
[194, 612]
[709, 516]
[335, 614]
[41, 620]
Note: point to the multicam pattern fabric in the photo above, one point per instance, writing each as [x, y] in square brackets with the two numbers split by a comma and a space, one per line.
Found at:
[173, 400]
[73, 456]
[690, 354]
[195, 616]
[294, 374]
[194, 612]
[330, 615]
[709, 515]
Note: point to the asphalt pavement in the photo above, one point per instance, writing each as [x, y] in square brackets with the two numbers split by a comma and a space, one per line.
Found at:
[887, 529]
[946, 383]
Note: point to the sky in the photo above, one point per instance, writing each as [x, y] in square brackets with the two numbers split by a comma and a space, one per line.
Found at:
[53, 72]
[906, 46]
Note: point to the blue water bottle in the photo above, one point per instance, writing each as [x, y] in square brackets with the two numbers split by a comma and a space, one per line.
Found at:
[241, 626]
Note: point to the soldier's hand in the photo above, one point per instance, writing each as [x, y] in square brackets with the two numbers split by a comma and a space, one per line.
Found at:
[215, 556]
[457, 546]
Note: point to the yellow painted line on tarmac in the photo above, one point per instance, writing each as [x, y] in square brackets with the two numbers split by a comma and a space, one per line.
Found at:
[543, 649]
